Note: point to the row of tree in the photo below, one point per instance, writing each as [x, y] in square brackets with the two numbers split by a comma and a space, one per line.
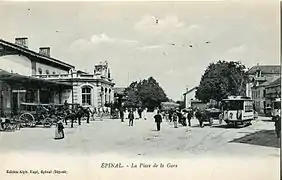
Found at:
[220, 79]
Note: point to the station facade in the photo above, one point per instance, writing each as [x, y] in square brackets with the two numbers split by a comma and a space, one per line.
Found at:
[36, 77]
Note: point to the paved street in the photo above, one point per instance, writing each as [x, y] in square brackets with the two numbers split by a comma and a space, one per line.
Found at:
[112, 136]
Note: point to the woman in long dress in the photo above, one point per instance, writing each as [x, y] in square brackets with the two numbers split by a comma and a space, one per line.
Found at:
[136, 114]
[126, 113]
[59, 131]
[144, 115]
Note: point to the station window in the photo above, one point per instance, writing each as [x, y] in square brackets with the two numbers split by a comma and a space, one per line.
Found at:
[54, 73]
[47, 71]
[86, 95]
[39, 71]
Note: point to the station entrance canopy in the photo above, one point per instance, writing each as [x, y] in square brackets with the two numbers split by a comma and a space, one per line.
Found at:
[17, 80]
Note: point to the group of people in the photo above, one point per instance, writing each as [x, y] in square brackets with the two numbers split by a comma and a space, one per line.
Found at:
[131, 114]
[175, 116]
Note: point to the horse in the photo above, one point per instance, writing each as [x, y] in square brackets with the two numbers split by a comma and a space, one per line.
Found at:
[202, 117]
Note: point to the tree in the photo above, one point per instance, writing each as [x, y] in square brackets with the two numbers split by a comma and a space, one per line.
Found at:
[146, 93]
[222, 79]
[131, 93]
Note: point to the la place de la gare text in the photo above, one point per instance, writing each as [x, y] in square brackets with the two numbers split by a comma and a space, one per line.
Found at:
[139, 165]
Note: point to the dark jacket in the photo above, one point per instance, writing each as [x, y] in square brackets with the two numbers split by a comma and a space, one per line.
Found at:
[131, 116]
[174, 117]
[190, 115]
[158, 118]
[60, 126]
[277, 123]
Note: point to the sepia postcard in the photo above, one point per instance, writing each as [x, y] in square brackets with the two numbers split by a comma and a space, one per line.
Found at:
[140, 90]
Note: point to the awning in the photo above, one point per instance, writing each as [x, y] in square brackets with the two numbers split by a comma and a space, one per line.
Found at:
[15, 79]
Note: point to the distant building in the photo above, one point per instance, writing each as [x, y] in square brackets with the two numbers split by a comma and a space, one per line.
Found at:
[273, 90]
[260, 77]
[189, 97]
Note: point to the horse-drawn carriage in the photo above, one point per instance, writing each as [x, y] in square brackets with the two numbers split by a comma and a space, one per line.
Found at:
[32, 114]
[209, 115]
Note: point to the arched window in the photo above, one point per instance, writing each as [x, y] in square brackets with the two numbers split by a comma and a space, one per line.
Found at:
[110, 95]
[47, 71]
[106, 92]
[86, 95]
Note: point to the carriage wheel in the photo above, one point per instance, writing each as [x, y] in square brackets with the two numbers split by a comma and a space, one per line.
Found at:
[28, 119]
[47, 122]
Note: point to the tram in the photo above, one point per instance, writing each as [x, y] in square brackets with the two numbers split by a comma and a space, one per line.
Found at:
[238, 110]
[276, 108]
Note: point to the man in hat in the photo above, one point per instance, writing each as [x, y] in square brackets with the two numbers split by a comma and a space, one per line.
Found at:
[131, 117]
[121, 113]
[158, 120]
[278, 126]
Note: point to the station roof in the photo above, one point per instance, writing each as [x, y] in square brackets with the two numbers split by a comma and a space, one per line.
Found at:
[43, 58]
[15, 79]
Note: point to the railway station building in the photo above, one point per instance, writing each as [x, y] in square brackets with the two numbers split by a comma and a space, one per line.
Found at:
[27, 76]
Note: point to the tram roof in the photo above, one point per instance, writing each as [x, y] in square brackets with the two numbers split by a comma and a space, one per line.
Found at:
[238, 98]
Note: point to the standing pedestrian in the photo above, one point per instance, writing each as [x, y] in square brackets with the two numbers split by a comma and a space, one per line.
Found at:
[131, 118]
[278, 126]
[158, 120]
[174, 118]
[66, 105]
[59, 131]
[136, 113]
[145, 113]
[140, 112]
[101, 113]
[121, 114]
[170, 112]
[189, 117]
[126, 113]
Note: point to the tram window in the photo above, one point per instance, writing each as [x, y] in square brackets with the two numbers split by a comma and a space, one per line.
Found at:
[277, 105]
[234, 105]
[248, 108]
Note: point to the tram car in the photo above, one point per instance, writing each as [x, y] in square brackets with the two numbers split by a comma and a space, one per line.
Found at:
[276, 108]
[238, 110]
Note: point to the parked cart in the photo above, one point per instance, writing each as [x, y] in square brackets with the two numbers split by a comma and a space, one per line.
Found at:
[32, 114]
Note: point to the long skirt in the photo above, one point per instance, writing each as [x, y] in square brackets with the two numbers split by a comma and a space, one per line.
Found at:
[175, 124]
[59, 134]
[144, 115]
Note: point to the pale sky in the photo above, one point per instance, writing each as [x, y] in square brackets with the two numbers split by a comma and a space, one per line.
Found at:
[137, 46]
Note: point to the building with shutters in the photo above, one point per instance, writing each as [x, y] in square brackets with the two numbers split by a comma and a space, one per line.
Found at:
[261, 76]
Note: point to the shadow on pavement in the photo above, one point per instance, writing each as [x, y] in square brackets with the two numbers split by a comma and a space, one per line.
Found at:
[262, 138]
[229, 126]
